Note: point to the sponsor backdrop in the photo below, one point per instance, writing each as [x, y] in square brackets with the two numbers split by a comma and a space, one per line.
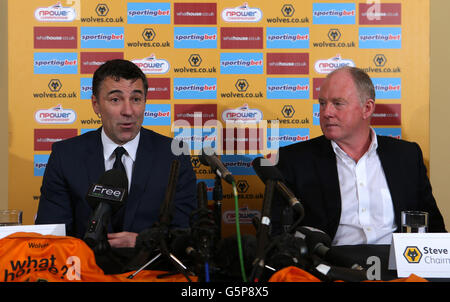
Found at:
[220, 73]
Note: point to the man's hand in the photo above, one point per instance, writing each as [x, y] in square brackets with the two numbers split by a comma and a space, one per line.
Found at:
[122, 239]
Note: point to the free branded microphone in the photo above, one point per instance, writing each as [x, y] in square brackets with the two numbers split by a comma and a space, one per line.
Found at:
[105, 197]
[209, 158]
[265, 171]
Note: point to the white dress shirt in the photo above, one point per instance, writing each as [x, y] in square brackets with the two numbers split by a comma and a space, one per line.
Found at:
[128, 158]
[367, 215]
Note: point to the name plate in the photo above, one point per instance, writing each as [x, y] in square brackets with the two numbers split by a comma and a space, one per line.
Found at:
[43, 229]
[423, 254]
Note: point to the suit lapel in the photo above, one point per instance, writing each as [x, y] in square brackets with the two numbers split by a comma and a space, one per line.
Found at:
[325, 161]
[391, 170]
[141, 174]
[94, 160]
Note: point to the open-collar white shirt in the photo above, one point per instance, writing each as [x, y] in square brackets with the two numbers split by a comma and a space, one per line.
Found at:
[367, 212]
[128, 159]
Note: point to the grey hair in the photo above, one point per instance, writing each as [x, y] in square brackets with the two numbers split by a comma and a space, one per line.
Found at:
[362, 81]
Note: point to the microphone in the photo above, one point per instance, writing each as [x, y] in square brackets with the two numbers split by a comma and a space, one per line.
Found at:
[105, 197]
[203, 226]
[209, 158]
[227, 258]
[265, 171]
[319, 243]
[341, 273]
[157, 236]
[202, 197]
[263, 232]
[165, 216]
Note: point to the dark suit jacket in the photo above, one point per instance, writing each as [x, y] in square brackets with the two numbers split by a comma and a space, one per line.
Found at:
[311, 173]
[76, 163]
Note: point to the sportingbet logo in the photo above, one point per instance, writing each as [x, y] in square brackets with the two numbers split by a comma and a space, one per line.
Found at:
[152, 65]
[287, 88]
[334, 13]
[287, 37]
[380, 37]
[243, 13]
[55, 13]
[195, 88]
[239, 164]
[102, 37]
[157, 115]
[40, 163]
[55, 115]
[286, 136]
[387, 88]
[196, 138]
[195, 37]
[241, 63]
[328, 65]
[148, 13]
[55, 63]
[392, 132]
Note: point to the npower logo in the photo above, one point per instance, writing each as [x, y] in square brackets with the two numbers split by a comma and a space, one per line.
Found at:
[246, 215]
[55, 13]
[243, 13]
[152, 65]
[328, 65]
[242, 114]
[55, 115]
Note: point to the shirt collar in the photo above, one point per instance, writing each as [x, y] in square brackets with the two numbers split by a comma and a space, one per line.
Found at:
[109, 146]
[372, 148]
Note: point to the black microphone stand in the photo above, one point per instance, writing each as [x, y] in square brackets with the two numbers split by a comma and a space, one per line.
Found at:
[204, 234]
[217, 197]
[159, 233]
[263, 232]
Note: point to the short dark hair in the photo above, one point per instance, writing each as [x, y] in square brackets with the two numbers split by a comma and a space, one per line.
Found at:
[117, 69]
[362, 81]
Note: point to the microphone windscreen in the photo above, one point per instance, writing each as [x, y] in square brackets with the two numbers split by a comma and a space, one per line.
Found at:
[202, 197]
[112, 187]
[266, 170]
[204, 159]
[288, 251]
[227, 255]
[314, 237]
[148, 239]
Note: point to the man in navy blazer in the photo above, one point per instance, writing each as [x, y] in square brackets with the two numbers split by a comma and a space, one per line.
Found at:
[119, 97]
[352, 183]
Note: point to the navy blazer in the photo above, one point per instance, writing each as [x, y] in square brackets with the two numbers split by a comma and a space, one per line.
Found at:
[78, 162]
[311, 173]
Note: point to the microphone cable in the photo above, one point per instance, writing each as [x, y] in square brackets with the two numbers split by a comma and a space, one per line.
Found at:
[207, 279]
[238, 232]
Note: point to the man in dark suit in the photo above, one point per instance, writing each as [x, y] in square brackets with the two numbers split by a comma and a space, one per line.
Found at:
[352, 183]
[118, 98]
